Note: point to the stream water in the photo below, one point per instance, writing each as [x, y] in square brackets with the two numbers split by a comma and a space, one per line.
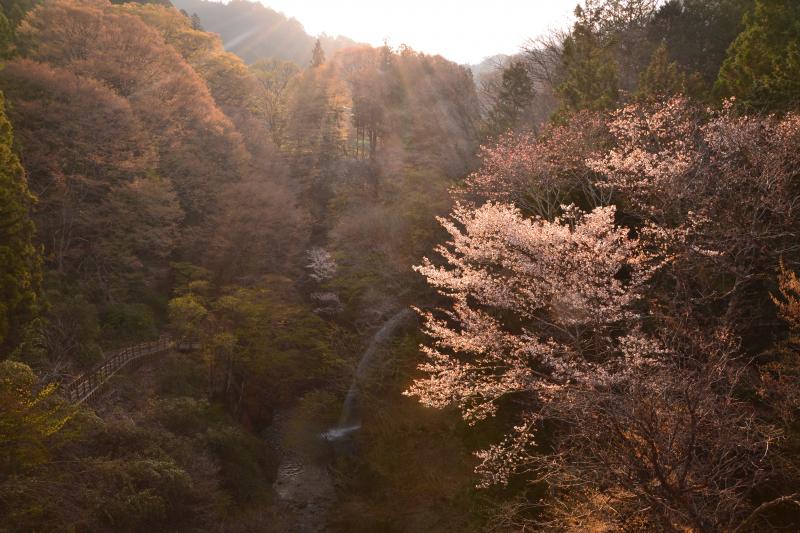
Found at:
[350, 419]
[304, 486]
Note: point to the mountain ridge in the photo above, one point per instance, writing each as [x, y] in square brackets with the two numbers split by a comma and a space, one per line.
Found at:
[254, 31]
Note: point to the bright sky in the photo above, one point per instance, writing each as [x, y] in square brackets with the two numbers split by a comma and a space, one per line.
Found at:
[465, 31]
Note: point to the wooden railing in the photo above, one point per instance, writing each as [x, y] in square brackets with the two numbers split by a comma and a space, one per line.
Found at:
[85, 386]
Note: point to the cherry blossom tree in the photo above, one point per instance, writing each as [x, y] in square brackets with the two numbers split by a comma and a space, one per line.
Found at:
[537, 307]
[321, 264]
[626, 329]
[548, 322]
[538, 173]
[726, 183]
[670, 447]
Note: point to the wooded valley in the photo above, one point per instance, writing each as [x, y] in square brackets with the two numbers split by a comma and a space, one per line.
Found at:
[332, 286]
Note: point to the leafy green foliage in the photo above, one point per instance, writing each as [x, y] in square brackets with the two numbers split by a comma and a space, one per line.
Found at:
[186, 315]
[380, 492]
[281, 347]
[662, 78]
[29, 416]
[697, 34]
[128, 323]
[6, 35]
[762, 69]
[111, 476]
[20, 262]
[261, 345]
[244, 464]
[590, 72]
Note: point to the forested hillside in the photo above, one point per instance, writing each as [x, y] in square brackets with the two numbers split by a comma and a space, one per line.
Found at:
[254, 31]
[559, 295]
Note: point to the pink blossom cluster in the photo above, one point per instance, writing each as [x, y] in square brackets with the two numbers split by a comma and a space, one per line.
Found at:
[537, 307]
[688, 210]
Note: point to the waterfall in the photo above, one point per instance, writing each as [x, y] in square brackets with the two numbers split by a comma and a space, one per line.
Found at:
[350, 419]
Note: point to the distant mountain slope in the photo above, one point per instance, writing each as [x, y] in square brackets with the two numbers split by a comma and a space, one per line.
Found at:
[489, 65]
[253, 31]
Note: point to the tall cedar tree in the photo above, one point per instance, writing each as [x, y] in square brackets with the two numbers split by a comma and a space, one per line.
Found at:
[762, 69]
[515, 96]
[6, 35]
[698, 33]
[590, 71]
[19, 258]
[662, 77]
[15, 10]
[317, 55]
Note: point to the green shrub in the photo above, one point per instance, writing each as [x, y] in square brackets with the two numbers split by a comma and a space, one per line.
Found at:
[182, 375]
[128, 322]
[186, 416]
[149, 493]
[247, 465]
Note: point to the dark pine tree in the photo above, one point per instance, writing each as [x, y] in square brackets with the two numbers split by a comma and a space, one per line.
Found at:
[513, 99]
[20, 262]
[762, 69]
[317, 55]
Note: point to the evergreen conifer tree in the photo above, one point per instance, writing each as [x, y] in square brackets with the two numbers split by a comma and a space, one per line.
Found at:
[20, 263]
[762, 69]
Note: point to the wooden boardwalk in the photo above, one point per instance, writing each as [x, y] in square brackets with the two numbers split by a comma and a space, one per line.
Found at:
[85, 386]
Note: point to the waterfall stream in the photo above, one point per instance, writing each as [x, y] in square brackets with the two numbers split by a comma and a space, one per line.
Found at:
[304, 485]
[350, 419]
